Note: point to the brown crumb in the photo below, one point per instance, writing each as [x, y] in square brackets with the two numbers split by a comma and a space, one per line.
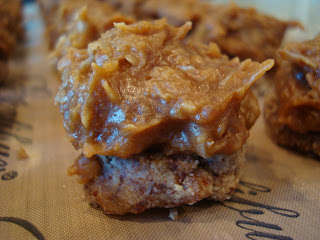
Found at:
[22, 154]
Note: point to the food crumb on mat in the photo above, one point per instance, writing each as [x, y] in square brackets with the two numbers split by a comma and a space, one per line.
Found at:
[22, 154]
[173, 213]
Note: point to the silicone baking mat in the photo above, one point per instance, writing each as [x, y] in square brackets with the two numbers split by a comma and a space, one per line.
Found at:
[277, 198]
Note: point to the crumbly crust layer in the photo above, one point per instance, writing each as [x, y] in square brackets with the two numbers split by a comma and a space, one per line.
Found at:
[146, 181]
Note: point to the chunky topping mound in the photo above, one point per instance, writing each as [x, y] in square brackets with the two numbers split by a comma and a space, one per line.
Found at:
[86, 25]
[80, 21]
[298, 86]
[141, 86]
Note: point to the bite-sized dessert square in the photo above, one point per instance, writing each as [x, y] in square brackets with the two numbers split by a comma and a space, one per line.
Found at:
[292, 108]
[161, 122]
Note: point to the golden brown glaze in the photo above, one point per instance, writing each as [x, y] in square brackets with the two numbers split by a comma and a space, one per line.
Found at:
[140, 85]
[298, 86]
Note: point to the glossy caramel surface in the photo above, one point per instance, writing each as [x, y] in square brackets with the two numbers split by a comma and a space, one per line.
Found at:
[141, 86]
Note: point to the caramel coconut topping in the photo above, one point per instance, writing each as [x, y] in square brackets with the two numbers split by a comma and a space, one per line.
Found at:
[84, 25]
[241, 32]
[141, 86]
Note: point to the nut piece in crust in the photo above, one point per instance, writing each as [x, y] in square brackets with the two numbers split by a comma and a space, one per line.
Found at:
[141, 86]
[292, 110]
[154, 180]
